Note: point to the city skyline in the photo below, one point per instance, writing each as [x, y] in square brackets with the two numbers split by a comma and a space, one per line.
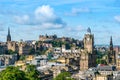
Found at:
[28, 19]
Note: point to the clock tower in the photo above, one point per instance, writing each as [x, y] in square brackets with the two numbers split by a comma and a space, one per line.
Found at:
[88, 54]
[89, 41]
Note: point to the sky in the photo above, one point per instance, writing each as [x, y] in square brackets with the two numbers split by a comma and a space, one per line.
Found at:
[27, 19]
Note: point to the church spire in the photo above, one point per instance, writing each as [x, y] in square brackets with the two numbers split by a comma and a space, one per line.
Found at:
[8, 31]
[111, 43]
[8, 36]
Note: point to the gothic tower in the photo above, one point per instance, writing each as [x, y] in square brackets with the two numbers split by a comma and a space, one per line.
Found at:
[111, 54]
[89, 41]
[111, 44]
[8, 36]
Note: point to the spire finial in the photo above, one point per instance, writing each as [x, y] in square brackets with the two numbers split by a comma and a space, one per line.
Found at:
[8, 30]
[111, 43]
[8, 36]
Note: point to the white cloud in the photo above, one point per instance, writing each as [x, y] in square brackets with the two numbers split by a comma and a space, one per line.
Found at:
[43, 17]
[1, 27]
[22, 19]
[51, 25]
[76, 29]
[64, 2]
[117, 18]
[44, 13]
[48, 26]
[77, 11]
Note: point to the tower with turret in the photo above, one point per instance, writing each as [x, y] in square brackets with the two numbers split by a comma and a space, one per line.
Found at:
[89, 41]
[88, 54]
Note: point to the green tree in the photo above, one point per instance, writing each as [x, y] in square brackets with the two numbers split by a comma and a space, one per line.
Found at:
[31, 51]
[101, 61]
[12, 73]
[56, 43]
[50, 56]
[32, 73]
[11, 52]
[63, 76]
[22, 57]
[68, 45]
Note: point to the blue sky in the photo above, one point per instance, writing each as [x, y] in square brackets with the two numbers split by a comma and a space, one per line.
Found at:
[28, 19]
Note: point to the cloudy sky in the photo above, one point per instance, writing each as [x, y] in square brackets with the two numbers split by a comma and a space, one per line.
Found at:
[28, 19]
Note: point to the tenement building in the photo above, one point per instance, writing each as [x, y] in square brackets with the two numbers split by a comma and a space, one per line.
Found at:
[118, 58]
[6, 60]
[24, 48]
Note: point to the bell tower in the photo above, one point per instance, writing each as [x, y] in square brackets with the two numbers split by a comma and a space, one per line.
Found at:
[8, 36]
[89, 41]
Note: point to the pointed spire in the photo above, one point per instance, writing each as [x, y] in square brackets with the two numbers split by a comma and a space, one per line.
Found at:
[8, 31]
[111, 43]
[8, 36]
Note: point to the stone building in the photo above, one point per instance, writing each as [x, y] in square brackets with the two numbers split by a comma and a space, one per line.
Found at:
[20, 47]
[103, 77]
[47, 37]
[88, 54]
[118, 60]
[12, 45]
[117, 55]
[24, 48]
[6, 60]
[3, 47]
[89, 41]
[82, 58]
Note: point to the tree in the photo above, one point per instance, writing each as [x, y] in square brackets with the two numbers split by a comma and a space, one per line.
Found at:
[68, 45]
[50, 55]
[63, 76]
[31, 51]
[32, 73]
[12, 73]
[101, 61]
[11, 52]
[22, 57]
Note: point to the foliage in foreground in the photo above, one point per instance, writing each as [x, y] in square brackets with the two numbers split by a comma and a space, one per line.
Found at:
[63, 76]
[32, 73]
[13, 73]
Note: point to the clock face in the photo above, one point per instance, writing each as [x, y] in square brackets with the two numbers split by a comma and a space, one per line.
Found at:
[88, 39]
